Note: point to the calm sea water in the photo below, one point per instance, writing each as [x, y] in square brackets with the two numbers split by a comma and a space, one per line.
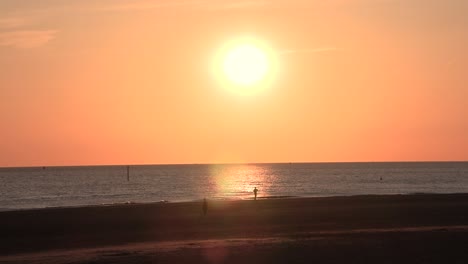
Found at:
[22, 188]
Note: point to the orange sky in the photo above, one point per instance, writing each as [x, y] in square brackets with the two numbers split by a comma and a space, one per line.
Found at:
[131, 82]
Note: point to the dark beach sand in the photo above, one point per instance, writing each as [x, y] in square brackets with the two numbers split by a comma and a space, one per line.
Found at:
[360, 229]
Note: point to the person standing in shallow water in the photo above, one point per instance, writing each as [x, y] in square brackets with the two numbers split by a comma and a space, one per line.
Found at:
[205, 206]
[255, 193]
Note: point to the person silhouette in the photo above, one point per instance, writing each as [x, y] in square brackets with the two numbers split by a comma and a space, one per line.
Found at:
[205, 206]
[255, 193]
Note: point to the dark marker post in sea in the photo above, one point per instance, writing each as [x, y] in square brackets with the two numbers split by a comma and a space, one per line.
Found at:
[128, 173]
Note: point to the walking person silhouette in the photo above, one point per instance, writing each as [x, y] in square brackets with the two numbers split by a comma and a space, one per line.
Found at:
[255, 193]
[205, 206]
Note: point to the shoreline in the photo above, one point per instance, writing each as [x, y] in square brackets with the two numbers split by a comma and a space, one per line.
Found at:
[260, 198]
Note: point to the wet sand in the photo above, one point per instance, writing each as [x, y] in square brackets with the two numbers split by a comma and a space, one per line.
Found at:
[360, 229]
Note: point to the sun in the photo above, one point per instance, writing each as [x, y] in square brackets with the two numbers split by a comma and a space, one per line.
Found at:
[246, 65]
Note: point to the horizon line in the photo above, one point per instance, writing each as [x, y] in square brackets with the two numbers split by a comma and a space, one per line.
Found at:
[229, 163]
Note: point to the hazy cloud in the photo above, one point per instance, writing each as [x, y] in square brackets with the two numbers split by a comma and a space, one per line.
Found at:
[315, 50]
[239, 4]
[202, 4]
[26, 38]
[18, 31]
[11, 22]
[143, 5]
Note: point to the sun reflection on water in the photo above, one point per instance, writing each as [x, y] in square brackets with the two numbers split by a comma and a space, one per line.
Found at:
[238, 181]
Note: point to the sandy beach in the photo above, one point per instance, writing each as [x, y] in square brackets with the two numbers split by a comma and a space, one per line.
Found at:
[359, 229]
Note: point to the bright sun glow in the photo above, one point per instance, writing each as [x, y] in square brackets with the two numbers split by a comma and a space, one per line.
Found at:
[246, 65]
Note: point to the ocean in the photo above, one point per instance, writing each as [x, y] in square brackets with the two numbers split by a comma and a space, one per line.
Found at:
[41, 187]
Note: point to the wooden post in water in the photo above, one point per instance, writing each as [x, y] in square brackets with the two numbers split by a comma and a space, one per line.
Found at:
[128, 173]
